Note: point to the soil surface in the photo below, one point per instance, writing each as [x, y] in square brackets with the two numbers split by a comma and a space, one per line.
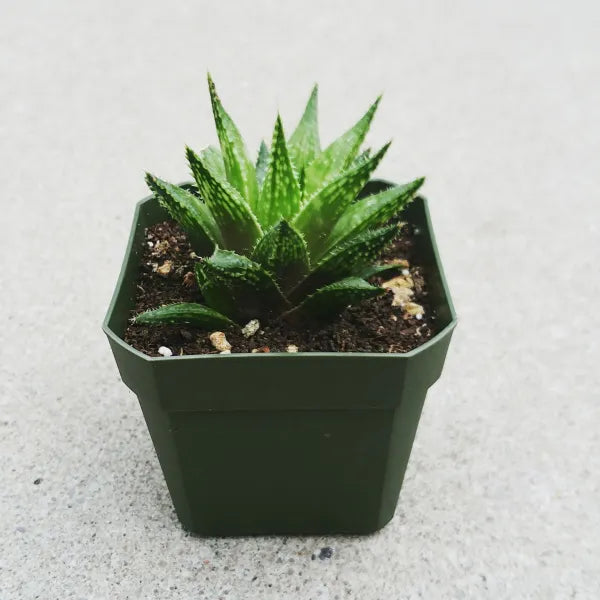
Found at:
[166, 276]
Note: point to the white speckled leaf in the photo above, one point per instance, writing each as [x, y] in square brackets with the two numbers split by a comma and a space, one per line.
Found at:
[322, 210]
[339, 154]
[373, 211]
[237, 286]
[184, 313]
[239, 168]
[346, 260]
[238, 225]
[304, 143]
[213, 159]
[335, 297]
[280, 194]
[361, 158]
[262, 162]
[189, 211]
[282, 252]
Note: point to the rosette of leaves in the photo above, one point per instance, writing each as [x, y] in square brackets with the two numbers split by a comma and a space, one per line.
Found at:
[284, 235]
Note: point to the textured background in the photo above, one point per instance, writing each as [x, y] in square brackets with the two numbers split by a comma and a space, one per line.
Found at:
[497, 102]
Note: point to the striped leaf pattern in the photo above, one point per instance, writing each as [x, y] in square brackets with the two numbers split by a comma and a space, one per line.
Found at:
[322, 210]
[304, 143]
[339, 154]
[239, 168]
[189, 211]
[280, 192]
[333, 298]
[262, 162]
[238, 225]
[347, 259]
[373, 211]
[184, 313]
[237, 286]
[282, 252]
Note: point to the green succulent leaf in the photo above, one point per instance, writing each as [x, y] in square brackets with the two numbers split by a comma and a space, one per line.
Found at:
[357, 252]
[237, 286]
[183, 313]
[335, 297]
[361, 158]
[213, 159]
[372, 270]
[321, 211]
[280, 193]
[238, 225]
[189, 211]
[340, 153]
[239, 168]
[345, 260]
[262, 162]
[373, 211]
[282, 252]
[304, 143]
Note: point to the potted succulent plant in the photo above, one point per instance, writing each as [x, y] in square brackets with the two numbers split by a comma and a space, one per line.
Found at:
[280, 344]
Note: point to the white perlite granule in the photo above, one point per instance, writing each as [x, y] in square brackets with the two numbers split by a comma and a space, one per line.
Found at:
[251, 327]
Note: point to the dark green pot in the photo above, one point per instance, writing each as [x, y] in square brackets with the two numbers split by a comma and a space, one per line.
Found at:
[307, 443]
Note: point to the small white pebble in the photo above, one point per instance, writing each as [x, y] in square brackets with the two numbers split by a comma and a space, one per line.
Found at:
[150, 245]
[419, 316]
[255, 350]
[219, 341]
[292, 348]
[250, 328]
[225, 352]
[405, 272]
[164, 351]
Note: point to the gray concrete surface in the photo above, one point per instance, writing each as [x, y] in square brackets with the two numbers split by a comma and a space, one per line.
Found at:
[497, 102]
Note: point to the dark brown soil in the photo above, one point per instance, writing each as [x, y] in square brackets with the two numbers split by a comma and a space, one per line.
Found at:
[373, 326]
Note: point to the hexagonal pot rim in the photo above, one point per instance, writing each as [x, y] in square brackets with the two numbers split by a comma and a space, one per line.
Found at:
[117, 339]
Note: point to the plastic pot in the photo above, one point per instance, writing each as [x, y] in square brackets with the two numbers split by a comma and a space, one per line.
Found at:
[306, 443]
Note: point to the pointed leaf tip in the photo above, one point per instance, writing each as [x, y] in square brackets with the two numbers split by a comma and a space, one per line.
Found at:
[340, 154]
[321, 211]
[374, 210]
[336, 296]
[238, 167]
[304, 142]
[211, 83]
[262, 163]
[280, 193]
